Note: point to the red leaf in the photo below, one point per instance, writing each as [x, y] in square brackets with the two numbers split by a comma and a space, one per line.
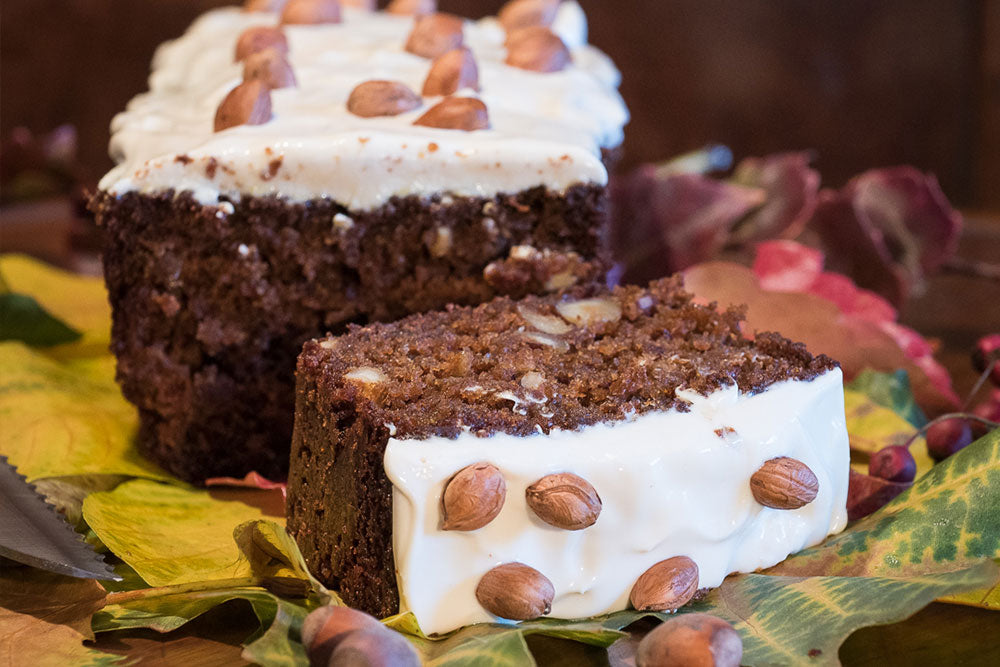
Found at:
[250, 480]
[867, 494]
[792, 188]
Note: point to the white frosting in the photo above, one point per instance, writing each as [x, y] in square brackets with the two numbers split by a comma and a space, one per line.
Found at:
[547, 129]
[669, 486]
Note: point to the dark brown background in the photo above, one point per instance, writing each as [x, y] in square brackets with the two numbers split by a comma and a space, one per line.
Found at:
[863, 82]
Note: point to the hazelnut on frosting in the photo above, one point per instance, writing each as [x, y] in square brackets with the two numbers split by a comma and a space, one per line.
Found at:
[452, 72]
[247, 104]
[538, 49]
[435, 34]
[456, 113]
[270, 67]
[415, 7]
[382, 98]
[308, 12]
[523, 13]
[259, 38]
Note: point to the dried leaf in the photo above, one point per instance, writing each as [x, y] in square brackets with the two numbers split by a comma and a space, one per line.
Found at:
[792, 188]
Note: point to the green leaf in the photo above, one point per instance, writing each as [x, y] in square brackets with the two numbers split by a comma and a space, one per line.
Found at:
[947, 520]
[280, 645]
[66, 419]
[786, 620]
[45, 618]
[171, 534]
[890, 390]
[23, 319]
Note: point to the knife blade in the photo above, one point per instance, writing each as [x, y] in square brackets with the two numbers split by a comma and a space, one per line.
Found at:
[32, 532]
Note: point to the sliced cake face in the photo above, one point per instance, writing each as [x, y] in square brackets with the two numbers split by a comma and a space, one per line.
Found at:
[556, 455]
[294, 170]
[324, 137]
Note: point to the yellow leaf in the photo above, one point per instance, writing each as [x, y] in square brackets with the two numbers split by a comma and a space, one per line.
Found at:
[80, 301]
[871, 427]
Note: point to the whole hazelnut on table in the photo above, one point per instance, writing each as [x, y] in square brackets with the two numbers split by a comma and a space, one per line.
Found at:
[691, 640]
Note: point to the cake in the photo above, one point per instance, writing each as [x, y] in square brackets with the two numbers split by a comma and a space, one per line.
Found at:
[566, 454]
[299, 168]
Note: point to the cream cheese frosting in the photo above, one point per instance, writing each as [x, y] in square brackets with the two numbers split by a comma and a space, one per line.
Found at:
[546, 129]
[670, 485]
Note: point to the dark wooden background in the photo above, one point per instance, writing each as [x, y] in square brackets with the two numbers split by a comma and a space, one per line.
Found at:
[863, 82]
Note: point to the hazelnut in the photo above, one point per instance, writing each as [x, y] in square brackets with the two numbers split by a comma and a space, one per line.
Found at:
[452, 72]
[784, 483]
[691, 640]
[324, 628]
[473, 497]
[586, 312]
[414, 7]
[515, 591]
[263, 5]
[311, 12]
[549, 324]
[456, 113]
[253, 40]
[435, 34]
[382, 98]
[375, 647]
[538, 49]
[247, 104]
[564, 500]
[666, 586]
[270, 67]
[523, 13]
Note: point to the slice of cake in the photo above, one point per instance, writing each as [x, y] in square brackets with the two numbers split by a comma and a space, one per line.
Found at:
[564, 455]
[293, 170]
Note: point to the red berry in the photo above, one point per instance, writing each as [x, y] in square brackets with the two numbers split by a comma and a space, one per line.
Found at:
[893, 463]
[987, 350]
[946, 437]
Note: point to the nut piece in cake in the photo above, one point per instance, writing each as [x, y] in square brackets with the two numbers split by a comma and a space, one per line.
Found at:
[253, 40]
[473, 497]
[457, 113]
[382, 98]
[515, 591]
[666, 586]
[784, 483]
[587, 312]
[564, 500]
[538, 49]
[414, 7]
[270, 67]
[435, 34]
[452, 72]
[247, 104]
[523, 13]
[310, 12]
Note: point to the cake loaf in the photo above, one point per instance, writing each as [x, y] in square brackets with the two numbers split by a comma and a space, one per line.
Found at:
[559, 455]
[295, 169]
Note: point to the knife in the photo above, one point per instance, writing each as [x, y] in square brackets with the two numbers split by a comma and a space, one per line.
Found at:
[32, 532]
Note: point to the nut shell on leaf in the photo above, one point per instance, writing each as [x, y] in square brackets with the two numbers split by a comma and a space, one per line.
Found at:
[382, 98]
[260, 38]
[456, 113]
[538, 49]
[311, 12]
[473, 497]
[324, 628]
[247, 104]
[435, 34]
[412, 7]
[564, 500]
[691, 640]
[523, 13]
[784, 483]
[452, 72]
[375, 647]
[269, 67]
[516, 592]
[666, 586]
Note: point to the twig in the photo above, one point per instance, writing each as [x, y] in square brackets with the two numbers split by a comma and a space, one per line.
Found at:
[972, 267]
[951, 415]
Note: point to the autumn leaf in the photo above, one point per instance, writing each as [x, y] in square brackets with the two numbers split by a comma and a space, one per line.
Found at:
[871, 427]
[858, 344]
[890, 390]
[946, 521]
[171, 534]
[45, 618]
[23, 319]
